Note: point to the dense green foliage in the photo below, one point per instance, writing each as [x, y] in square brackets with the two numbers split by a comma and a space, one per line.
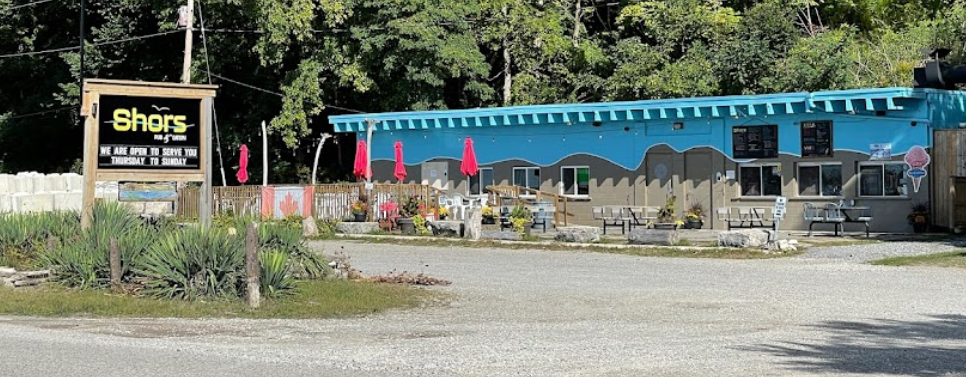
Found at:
[157, 259]
[322, 56]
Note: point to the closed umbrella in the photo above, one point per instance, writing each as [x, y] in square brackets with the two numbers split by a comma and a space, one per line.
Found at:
[400, 171]
[360, 168]
[468, 166]
[242, 174]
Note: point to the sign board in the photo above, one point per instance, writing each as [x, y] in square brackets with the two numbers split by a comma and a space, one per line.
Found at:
[730, 175]
[149, 133]
[917, 159]
[817, 139]
[780, 203]
[660, 171]
[754, 141]
[147, 192]
[880, 152]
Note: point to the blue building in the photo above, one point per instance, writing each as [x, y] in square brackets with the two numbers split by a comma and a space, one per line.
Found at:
[721, 152]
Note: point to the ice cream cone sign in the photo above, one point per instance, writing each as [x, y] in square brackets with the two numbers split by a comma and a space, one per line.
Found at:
[917, 159]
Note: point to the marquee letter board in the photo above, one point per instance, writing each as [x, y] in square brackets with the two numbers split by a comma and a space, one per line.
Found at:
[149, 133]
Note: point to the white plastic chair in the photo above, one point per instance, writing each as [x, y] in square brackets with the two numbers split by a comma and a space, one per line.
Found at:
[460, 204]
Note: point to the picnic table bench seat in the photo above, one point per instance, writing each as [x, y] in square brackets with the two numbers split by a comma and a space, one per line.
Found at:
[746, 217]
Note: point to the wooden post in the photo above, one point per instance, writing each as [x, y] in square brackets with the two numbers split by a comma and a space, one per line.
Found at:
[205, 199]
[115, 258]
[252, 267]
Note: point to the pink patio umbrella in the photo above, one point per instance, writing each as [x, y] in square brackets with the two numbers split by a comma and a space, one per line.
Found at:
[469, 166]
[360, 168]
[400, 171]
[242, 174]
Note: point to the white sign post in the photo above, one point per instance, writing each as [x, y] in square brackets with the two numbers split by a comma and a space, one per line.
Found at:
[779, 212]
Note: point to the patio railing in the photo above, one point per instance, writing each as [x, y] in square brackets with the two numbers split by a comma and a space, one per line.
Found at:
[526, 195]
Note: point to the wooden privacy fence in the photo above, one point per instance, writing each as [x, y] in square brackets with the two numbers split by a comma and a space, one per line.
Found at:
[331, 201]
[521, 195]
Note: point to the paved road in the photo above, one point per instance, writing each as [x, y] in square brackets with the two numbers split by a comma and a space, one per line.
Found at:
[550, 313]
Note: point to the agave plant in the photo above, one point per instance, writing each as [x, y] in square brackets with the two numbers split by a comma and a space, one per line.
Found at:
[276, 273]
[195, 263]
[304, 262]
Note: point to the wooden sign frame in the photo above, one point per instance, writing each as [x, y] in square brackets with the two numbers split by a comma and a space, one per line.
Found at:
[94, 89]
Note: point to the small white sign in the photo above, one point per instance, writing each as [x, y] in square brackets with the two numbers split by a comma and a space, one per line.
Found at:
[780, 203]
[880, 152]
[730, 175]
[368, 185]
[432, 173]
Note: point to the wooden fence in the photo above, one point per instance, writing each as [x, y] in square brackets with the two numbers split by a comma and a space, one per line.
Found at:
[520, 195]
[331, 201]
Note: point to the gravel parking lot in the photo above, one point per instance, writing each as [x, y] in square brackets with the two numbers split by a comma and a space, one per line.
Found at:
[554, 313]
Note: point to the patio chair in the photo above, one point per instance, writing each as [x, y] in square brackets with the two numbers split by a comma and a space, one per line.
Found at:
[609, 219]
[460, 204]
[543, 217]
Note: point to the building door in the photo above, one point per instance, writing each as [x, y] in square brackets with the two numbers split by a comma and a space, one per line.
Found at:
[698, 181]
[658, 176]
[436, 174]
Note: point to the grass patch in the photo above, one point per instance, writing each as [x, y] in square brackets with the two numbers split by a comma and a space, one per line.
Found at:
[311, 299]
[948, 259]
[649, 251]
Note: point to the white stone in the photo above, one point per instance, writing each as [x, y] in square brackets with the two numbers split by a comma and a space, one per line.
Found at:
[67, 201]
[743, 238]
[37, 202]
[356, 228]
[473, 224]
[663, 237]
[74, 182]
[23, 184]
[309, 228]
[445, 228]
[6, 184]
[55, 183]
[5, 202]
[581, 234]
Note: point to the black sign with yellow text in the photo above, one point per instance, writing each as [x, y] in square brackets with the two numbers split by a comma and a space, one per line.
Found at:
[149, 133]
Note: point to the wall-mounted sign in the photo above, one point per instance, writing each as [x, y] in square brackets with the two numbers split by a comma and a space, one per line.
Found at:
[917, 158]
[817, 139]
[147, 192]
[149, 133]
[755, 141]
[660, 171]
[880, 152]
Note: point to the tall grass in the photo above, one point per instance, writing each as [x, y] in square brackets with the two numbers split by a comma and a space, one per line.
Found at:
[24, 236]
[193, 263]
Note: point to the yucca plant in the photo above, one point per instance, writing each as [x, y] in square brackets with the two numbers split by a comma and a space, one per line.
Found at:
[195, 263]
[276, 278]
[305, 263]
[23, 235]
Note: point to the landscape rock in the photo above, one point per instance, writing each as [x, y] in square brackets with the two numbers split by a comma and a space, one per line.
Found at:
[357, 228]
[581, 234]
[6, 272]
[309, 229]
[473, 224]
[662, 237]
[503, 235]
[744, 238]
[446, 228]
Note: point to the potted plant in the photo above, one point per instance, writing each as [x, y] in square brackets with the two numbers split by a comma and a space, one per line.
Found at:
[694, 216]
[666, 213]
[443, 213]
[488, 216]
[919, 217]
[360, 209]
[390, 211]
[522, 219]
[408, 209]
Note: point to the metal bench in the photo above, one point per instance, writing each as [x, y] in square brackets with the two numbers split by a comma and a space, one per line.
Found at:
[639, 216]
[830, 215]
[610, 216]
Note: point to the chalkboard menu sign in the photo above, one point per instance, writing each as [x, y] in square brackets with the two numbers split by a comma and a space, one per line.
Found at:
[755, 141]
[817, 139]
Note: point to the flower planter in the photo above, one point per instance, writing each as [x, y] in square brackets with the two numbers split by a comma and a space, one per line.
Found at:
[526, 227]
[406, 225]
[693, 224]
[359, 217]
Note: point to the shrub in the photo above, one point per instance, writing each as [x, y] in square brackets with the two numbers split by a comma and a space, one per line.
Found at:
[276, 273]
[23, 236]
[305, 263]
[195, 263]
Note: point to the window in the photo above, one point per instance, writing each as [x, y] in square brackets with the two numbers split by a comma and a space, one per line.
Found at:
[479, 181]
[527, 177]
[817, 139]
[820, 179]
[881, 179]
[754, 141]
[576, 180]
[760, 180]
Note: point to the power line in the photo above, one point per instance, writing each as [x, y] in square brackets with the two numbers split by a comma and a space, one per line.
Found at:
[19, 116]
[249, 86]
[26, 5]
[31, 53]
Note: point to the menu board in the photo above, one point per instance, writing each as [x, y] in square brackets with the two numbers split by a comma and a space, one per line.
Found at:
[755, 141]
[817, 139]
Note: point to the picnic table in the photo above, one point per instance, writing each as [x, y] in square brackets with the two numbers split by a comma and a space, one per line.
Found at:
[625, 217]
[837, 215]
[746, 217]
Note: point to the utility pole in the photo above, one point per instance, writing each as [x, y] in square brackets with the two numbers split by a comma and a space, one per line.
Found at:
[80, 75]
[186, 69]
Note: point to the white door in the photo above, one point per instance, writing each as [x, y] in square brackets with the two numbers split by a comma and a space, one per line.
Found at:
[436, 174]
